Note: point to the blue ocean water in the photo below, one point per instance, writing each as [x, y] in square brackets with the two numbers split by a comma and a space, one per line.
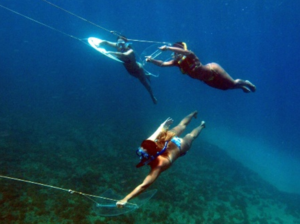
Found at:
[49, 75]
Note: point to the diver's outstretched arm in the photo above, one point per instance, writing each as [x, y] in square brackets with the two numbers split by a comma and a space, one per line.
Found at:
[159, 62]
[176, 50]
[123, 56]
[151, 177]
[171, 62]
[108, 43]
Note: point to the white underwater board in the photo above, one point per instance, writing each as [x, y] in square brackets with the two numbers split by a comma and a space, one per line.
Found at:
[94, 42]
[105, 206]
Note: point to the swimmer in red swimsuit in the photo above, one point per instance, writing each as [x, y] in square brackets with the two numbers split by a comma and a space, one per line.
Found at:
[212, 73]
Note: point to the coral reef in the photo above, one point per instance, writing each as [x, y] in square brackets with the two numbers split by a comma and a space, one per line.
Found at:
[205, 186]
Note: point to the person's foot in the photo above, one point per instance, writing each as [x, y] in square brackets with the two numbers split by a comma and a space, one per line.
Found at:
[202, 124]
[245, 89]
[251, 86]
[154, 100]
[195, 113]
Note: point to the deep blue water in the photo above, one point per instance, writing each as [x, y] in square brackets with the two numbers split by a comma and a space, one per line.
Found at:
[45, 72]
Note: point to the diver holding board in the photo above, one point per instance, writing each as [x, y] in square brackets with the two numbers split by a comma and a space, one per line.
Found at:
[125, 55]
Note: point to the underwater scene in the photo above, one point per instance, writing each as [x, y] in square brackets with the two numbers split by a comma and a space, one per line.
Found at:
[73, 112]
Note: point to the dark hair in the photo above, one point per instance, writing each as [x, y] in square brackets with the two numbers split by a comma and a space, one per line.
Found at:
[181, 45]
[122, 38]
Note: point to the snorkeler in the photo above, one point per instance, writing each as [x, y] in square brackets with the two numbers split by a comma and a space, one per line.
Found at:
[162, 149]
[134, 68]
[212, 73]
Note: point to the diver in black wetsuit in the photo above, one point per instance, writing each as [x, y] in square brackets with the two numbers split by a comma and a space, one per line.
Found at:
[134, 68]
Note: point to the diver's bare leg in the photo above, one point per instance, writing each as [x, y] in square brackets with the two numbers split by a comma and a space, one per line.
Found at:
[189, 138]
[183, 123]
[245, 85]
[195, 133]
[146, 84]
